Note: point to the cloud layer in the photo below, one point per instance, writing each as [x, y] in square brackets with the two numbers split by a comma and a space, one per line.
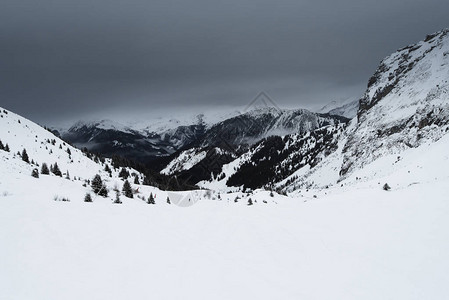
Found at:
[66, 59]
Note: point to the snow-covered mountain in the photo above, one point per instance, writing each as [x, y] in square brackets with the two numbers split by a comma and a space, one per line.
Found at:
[110, 138]
[42, 147]
[406, 103]
[77, 168]
[347, 108]
[255, 125]
[405, 107]
[144, 144]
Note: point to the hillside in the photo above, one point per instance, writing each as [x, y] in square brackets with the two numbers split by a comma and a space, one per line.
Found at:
[77, 168]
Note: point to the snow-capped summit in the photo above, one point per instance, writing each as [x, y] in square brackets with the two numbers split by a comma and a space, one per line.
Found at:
[252, 126]
[105, 124]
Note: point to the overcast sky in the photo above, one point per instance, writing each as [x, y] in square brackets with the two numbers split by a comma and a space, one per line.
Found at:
[68, 60]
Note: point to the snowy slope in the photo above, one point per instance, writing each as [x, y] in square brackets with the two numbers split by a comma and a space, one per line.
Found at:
[43, 147]
[21, 133]
[346, 108]
[185, 161]
[358, 243]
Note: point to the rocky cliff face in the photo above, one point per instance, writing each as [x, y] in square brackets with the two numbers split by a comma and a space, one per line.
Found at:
[405, 105]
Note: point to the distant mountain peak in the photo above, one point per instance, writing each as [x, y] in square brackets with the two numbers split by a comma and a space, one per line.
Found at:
[345, 108]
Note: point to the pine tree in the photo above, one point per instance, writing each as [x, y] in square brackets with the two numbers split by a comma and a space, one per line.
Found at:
[151, 199]
[2, 147]
[55, 170]
[25, 156]
[123, 173]
[103, 191]
[117, 198]
[35, 173]
[127, 190]
[386, 187]
[168, 200]
[7, 148]
[108, 169]
[67, 176]
[87, 198]
[97, 184]
[136, 180]
[44, 169]
[146, 181]
[68, 151]
[271, 194]
[250, 201]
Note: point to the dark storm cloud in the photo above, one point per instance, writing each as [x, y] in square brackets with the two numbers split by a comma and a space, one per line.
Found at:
[61, 59]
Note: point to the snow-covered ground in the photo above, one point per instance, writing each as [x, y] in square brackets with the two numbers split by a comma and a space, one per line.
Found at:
[185, 161]
[365, 243]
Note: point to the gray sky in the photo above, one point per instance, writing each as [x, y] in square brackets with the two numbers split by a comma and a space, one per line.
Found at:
[67, 60]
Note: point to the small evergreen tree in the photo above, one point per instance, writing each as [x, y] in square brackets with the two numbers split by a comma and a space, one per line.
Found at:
[127, 190]
[55, 170]
[97, 184]
[67, 176]
[44, 169]
[2, 147]
[123, 173]
[168, 200]
[386, 187]
[250, 201]
[151, 199]
[271, 194]
[146, 181]
[68, 151]
[7, 148]
[108, 169]
[136, 180]
[117, 198]
[25, 156]
[103, 191]
[87, 198]
[35, 173]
